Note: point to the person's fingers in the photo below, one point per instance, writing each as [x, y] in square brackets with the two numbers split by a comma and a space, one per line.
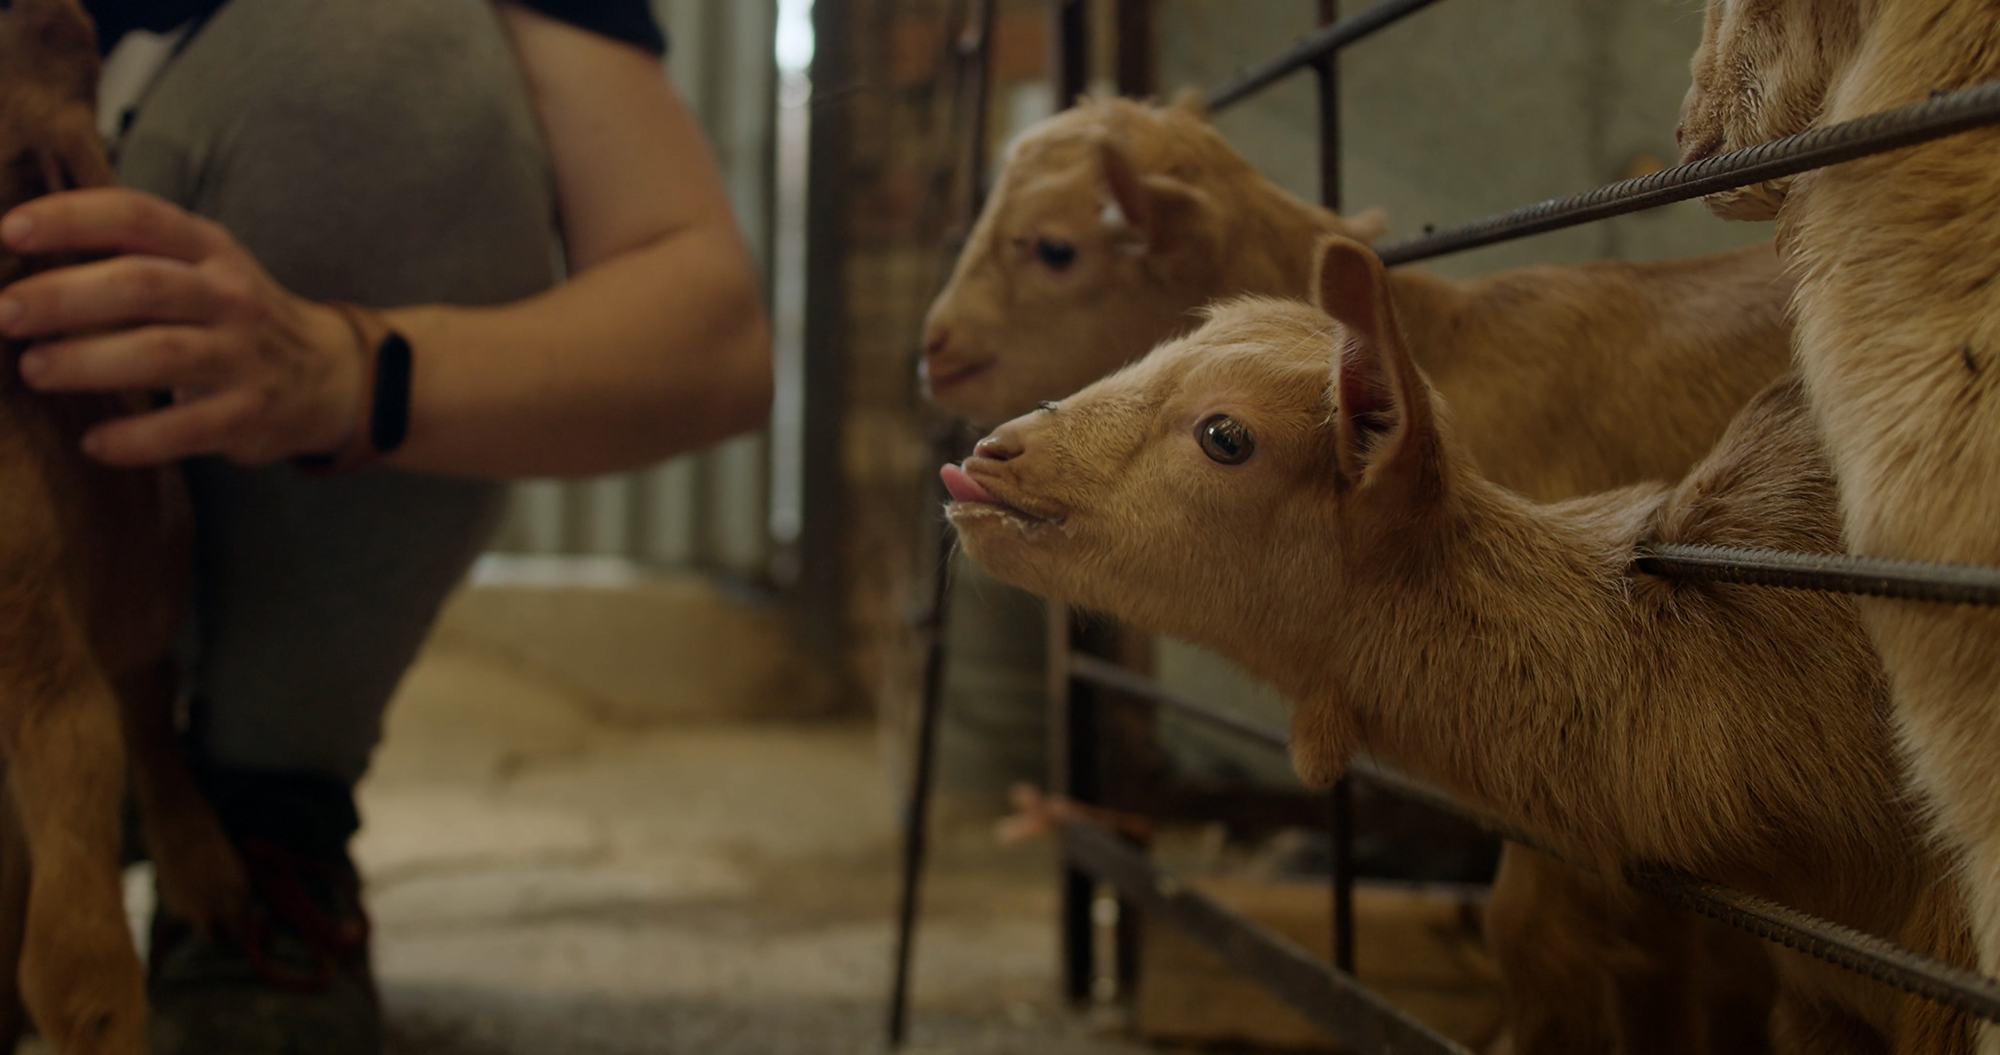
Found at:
[155, 357]
[109, 220]
[183, 430]
[110, 294]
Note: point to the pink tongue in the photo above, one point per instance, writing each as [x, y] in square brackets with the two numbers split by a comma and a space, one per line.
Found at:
[964, 488]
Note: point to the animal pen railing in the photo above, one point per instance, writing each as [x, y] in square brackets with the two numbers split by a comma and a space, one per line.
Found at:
[1328, 994]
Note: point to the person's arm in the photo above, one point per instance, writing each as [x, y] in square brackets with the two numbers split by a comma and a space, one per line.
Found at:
[656, 345]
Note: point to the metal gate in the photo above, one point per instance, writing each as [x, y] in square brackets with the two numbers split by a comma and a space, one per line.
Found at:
[1096, 857]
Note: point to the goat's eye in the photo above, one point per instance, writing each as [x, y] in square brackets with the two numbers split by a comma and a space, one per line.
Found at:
[1225, 440]
[1054, 252]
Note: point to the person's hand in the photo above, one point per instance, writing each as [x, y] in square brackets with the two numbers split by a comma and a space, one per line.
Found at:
[257, 373]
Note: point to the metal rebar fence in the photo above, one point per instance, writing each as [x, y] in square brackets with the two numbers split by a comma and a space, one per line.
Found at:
[1864, 954]
[1941, 115]
[1329, 996]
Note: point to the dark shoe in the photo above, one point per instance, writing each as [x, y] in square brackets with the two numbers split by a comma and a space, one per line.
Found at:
[298, 982]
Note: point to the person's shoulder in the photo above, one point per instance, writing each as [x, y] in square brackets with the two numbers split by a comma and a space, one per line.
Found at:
[629, 21]
[361, 57]
[304, 82]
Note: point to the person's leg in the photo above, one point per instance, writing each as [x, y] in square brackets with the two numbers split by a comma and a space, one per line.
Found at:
[380, 152]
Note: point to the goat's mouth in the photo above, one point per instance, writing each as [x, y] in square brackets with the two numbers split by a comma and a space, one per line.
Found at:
[940, 378]
[973, 498]
[1703, 150]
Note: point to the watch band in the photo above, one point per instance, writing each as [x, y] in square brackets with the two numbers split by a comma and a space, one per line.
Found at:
[388, 364]
[389, 411]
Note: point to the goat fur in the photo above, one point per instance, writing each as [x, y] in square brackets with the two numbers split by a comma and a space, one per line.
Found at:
[1502, 648]
[93, 566]
[1565, 380]
[1898, 340]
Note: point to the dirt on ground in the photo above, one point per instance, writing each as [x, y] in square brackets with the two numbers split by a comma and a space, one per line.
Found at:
[548, 879]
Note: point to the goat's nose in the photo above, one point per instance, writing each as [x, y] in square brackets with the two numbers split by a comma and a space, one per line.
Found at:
[936, 339]
[999, 447]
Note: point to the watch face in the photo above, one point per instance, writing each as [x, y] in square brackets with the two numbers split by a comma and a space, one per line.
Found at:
[389, 418]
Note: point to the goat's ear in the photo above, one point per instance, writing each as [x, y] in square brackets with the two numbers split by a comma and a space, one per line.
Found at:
[1365, 226]
[1191, 102]
[1384, 411]
[1165, 213]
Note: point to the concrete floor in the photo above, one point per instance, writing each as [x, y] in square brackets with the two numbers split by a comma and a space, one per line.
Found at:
[548, 879]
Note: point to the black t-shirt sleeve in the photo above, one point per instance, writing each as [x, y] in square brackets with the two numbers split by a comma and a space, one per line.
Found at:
[628, 20]
[115, 18]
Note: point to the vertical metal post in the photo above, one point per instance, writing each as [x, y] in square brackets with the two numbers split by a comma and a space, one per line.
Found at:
[1069, 50]
[1073, 724]
[970, 48]
[1072, 772]
[1341, 830]
[916, 805]
[822, 562]
[1134, 77]
[1341, 804]
[1135, 48]
[1327, 71]
[972, 52]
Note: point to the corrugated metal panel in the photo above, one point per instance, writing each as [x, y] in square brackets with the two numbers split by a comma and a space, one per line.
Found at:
[703, 510]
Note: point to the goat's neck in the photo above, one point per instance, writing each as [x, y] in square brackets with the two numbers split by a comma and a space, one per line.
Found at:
[1273, 238]
[1454, 656]
[1500, 653]
[1270, 238]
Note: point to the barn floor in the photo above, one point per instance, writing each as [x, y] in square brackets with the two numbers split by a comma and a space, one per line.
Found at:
[549, 881]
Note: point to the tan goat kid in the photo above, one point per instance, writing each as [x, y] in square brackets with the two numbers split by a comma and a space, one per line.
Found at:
[1291, 493]
[1899, 343]
[93, 566]
[1113, 222]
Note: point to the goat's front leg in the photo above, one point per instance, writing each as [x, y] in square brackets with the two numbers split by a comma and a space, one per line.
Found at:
[59, 727]
[201, 878]
[1547, 936]
[1656, 988]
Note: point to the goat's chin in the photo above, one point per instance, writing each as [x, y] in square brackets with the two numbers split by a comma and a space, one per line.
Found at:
[994, 394]
[1009, 546]
[1324, 738]
[1315, 768]
[1759, 201]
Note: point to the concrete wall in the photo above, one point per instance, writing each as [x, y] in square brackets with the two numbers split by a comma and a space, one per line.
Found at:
[1471, 107]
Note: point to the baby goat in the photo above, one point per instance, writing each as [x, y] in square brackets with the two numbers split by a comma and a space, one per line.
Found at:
[1899, 343]
[93, 565]
[1113, 222]
[1290, 492]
